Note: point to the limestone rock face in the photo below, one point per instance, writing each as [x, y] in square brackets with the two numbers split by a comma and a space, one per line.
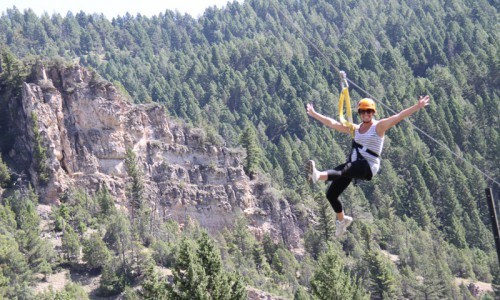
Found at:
[86, 127]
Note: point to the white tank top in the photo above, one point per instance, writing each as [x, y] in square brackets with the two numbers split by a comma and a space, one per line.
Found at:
[369, 140]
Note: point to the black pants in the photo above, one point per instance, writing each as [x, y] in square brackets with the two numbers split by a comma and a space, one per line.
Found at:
[342, 176]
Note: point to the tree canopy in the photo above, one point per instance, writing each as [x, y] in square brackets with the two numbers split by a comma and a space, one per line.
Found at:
[246, 73]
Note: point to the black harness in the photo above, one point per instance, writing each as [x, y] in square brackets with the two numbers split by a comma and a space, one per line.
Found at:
[357, 146]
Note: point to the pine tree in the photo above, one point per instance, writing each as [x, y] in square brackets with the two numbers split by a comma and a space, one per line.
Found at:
[384, 204]
[15, 268]
[284, 262]
[269, 247]
[38, 252]
[140, 212]
[220, 285]
[71, 245]
[332, 280]
[119, 237]
[243, 239]
[250, 143]
[4, 281]
[105, 201]
[198, 273]
[154, 287]
[212, 264]
[259, 258]
[475, 230]
[95, 252]
[287, 163]
[418, 209]
[297, 119]
[436, 281]
[420, 199]
[4, 173]
[189, 279]
[382, 281]
[137, 187]
[314, 242]
[325, 225]
[39, 153]
[449, 213]
[113, 279]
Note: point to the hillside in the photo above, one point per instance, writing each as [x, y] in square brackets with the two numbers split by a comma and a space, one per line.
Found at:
[235, 82]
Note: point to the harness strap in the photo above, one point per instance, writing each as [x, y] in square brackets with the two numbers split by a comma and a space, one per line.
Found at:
[357, 146]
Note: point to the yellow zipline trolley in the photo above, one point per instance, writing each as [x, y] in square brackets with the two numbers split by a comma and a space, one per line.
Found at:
[345, 100]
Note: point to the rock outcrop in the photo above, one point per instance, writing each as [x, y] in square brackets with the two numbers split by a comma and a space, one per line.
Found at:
[86, 126]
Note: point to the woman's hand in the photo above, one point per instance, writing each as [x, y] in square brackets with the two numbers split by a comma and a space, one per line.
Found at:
[310, 109]
[423, 101]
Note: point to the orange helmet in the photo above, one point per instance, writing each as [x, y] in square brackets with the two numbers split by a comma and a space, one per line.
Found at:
[367, 103]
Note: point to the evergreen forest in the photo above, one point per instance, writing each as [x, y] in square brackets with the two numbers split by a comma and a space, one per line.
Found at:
[246, 72]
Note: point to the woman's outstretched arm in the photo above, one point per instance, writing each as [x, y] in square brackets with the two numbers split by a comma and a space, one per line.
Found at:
[330, 122]
[384, 124]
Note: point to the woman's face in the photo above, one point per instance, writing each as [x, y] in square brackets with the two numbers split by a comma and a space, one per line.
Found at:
[366, 114]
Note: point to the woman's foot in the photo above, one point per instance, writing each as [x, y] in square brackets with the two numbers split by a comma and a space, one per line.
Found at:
[312, 173]
[342, 226]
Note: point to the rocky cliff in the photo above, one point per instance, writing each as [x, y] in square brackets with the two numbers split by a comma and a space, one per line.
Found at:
[86, 126]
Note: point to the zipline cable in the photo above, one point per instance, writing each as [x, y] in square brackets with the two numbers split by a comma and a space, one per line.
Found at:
[299, 30]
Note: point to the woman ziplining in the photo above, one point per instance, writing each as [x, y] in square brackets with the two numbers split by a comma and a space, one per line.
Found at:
[364, 160]
[459, 156]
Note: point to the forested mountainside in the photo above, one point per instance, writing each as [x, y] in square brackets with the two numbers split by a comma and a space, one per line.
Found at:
[246, 72]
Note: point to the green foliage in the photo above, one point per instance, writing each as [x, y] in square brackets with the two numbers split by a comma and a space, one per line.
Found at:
[301, 294]
[284, 262]
[37, 251]
[325, 227]
[61, 215]
[113, 279]
[249, 142]
[81, 208]
[382, 280]
[4, 173]
[496, 281]
[189, 276]
[198, 273]
[246, 72]
[23, 204]
[15, 269]
[95, 252]
[140, 213]
[106, 202]
[70, 291]
[71, 245]
[332, 280]
[243, 239]
[118, 236]
[22, 252]
[15, 72]
[164, 246]
[137, 186]
[39, 153]
[314, 242]
[154, 286]
[4, 283]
